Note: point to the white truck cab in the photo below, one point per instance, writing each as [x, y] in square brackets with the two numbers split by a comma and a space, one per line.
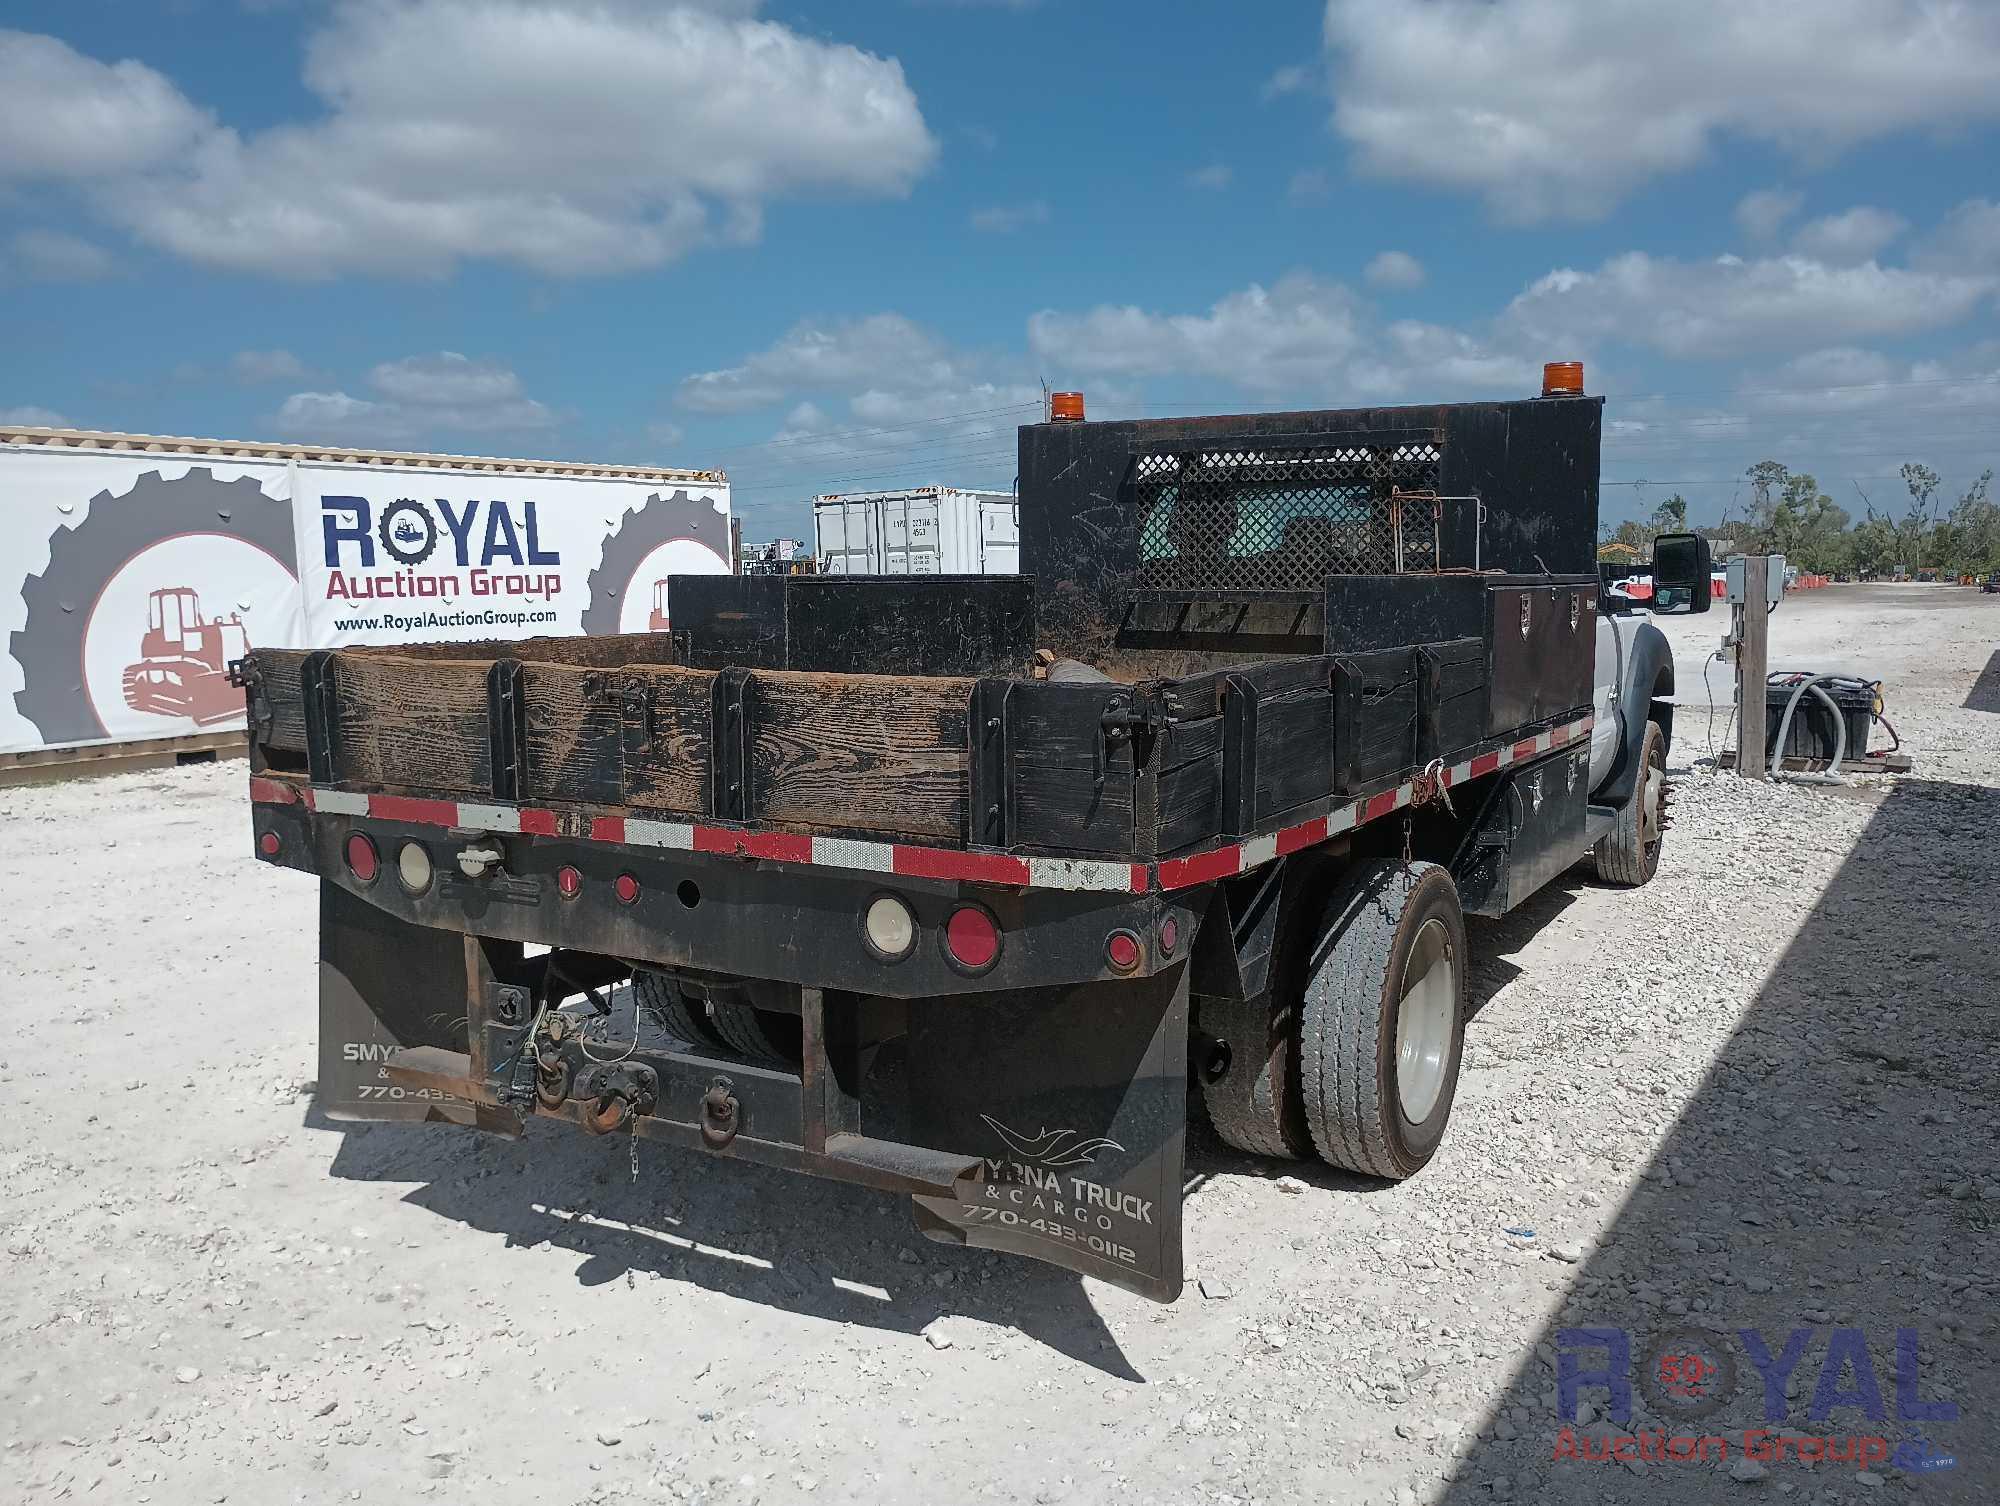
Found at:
[1632, 694]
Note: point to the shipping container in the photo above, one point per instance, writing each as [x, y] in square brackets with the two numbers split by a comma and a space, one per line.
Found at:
[930, 530]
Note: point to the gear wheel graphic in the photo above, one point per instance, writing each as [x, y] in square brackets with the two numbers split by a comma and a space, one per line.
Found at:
[398, 550]
[656, 521]
[49, 645]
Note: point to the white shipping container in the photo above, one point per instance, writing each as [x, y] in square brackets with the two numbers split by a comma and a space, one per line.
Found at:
[929, 530]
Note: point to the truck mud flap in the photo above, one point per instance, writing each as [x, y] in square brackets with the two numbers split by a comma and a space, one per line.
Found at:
[384, 983]
[1076, 1101]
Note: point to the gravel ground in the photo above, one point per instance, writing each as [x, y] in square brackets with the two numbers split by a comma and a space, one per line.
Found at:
[1757, 1094]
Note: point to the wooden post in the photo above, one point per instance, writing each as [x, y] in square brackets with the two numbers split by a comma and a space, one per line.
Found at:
[1752, 664]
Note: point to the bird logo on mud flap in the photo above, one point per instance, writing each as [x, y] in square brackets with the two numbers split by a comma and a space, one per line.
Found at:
[1039, 1160]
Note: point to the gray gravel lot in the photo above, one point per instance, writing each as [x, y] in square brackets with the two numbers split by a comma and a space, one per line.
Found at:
[1759, 1093]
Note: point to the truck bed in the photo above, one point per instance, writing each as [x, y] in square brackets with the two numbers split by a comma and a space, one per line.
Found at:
[998, 775]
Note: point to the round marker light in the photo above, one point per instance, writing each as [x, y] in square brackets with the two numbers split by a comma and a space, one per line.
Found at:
[626, 888]
[890, 927]
[1170, 935]
[569, 883]
[362, 861]
[413, 867]
[971, 938]
[1121, 950]
[268, 844]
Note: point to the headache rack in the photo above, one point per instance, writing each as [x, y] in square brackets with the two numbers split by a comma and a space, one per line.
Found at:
[1290, 516]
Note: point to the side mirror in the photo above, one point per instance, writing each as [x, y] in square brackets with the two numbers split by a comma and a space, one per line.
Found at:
[1681, 570]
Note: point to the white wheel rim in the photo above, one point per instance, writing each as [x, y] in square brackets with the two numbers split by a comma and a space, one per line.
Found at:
[1424, 1021]
[1655, 800]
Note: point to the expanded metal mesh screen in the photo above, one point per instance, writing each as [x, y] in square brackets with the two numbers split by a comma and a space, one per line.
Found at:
[1285, 519]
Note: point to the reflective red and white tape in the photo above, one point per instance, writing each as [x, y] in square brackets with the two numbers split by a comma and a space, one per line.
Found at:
[903, 859]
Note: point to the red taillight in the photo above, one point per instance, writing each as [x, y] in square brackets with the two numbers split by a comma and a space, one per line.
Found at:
[362, 861]
[268, 844]
[1170, 935]
[1121, 950]
[626, 888]
[569, 883]
[971, 938]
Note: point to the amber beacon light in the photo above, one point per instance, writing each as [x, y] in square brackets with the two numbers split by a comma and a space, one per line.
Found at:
[1562, 379]
[1066, 407]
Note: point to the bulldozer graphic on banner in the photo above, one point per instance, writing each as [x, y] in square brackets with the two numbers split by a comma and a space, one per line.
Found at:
[183, 668]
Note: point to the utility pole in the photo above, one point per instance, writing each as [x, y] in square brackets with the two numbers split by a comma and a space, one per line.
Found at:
[1752, 666]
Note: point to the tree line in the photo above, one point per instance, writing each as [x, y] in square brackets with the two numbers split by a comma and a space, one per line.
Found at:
[1789, 515]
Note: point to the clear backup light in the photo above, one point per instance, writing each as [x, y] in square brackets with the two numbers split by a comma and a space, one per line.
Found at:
[890, 927]
[413, 867]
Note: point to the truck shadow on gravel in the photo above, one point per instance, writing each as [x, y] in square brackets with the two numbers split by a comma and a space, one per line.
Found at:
[1985, 692]
[1833, 1173]
[734, 1231]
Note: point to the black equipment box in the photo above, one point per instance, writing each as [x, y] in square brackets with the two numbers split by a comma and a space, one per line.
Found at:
[1812, 734]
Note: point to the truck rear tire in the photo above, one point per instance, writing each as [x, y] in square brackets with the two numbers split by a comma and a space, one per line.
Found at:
[1249, 1081]
[1629, 854]
[757, 1035]
[673, 1010]
[1383, 1026]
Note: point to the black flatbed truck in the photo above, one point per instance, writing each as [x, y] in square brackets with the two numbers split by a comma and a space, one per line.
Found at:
[953, 887]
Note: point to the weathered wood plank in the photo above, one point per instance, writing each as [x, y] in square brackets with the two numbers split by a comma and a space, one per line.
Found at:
[667, 750]
[280, 671]
[574, 735]
[860, 751]
[412, 723]
[611, 651]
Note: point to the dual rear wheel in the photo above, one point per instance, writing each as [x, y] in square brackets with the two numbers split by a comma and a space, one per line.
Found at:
[1353, 1054]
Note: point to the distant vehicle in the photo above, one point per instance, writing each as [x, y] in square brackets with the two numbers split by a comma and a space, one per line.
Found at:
[1992, 585]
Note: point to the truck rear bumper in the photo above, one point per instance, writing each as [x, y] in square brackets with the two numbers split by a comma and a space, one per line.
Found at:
[765, 913]
[1046, 1122]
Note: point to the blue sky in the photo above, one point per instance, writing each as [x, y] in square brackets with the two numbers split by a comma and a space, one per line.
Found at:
[841, 246]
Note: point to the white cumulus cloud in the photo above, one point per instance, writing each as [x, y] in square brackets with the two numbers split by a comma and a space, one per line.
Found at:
[1302, 338]
[64, 115]
[1730, 305]
[43, 255]
[1394, 269]
[1549, 108]
[1857, 234]
[418, 399]
[566, 136]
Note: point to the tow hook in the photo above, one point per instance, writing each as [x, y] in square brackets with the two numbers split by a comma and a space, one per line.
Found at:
[614, 1094]
[718, 1114]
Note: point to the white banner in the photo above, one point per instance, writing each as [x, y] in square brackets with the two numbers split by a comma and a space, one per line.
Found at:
[448, 554]
[129, 581]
